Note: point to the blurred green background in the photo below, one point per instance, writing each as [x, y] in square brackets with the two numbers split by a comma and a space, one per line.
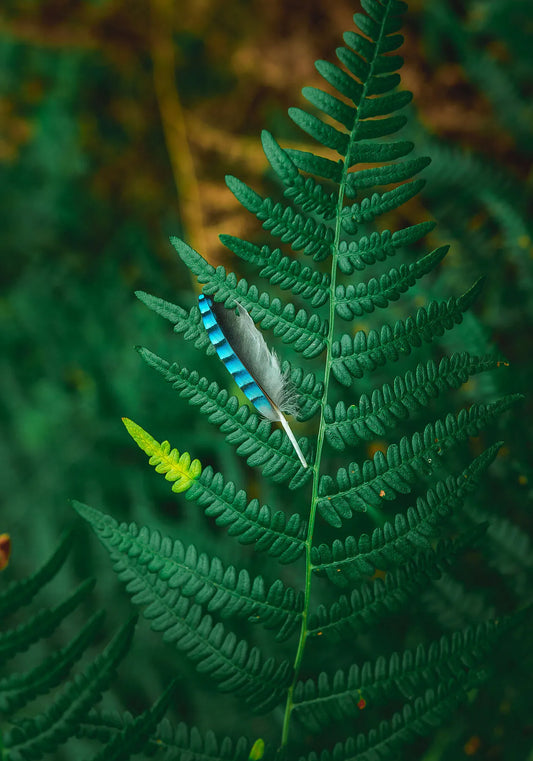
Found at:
[118, 122]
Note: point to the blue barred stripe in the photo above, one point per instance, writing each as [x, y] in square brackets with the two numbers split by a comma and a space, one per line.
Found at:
[233, 364]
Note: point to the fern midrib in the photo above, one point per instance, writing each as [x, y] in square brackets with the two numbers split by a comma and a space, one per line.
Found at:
[289, 706]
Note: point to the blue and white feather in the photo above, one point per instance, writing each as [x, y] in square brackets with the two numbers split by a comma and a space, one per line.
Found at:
[255, 368]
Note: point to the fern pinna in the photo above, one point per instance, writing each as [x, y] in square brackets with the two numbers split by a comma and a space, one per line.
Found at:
[29, 730]
[378, 503]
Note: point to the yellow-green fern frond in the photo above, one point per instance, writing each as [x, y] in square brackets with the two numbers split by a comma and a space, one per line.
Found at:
[176, 467]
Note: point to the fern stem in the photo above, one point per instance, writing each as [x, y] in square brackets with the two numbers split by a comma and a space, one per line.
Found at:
[316, 475]
[289, 705]
[316, 471]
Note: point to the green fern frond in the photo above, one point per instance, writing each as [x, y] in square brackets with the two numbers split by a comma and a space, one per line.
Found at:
[320, 701]
[393, 472]
[373, 600]
[136, 733]
[231, 663]
[32, 737]
[177, 742]
[306, 192]
[252, 436]
[373, 416]
[305, 332]
[280, 536]
[355, 300]
[385, 175]
[20, 593]
[199, 746]
[18, 689]
[327, 214]
[453, 604]
[352, 357]
[176, 467]
[184, 321]
[42, 624]
[367, 250]
[302, 232]
[183, 571]
[378, 204]
[273, 533]
[416, 719]
[510, 551]
[395, 542]
[283, 271]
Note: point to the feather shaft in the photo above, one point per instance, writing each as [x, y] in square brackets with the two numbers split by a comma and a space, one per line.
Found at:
[254, 367]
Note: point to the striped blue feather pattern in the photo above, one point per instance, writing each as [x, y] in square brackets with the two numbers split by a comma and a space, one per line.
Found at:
[212, 313]
[255, 368]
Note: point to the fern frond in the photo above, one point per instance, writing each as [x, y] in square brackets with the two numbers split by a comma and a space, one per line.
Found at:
[510, 551]
[18, 689]
[250, 522]
[306, 332]
[177, 742]
[243, 428]
[280, 536]
[374, 206]
[283, 271]
[320, 701]
[395, 542]
[416, 719]
[183, 571]
[393, 472]
[354, 300]
[365, 251]
[184, 742]
[385, 175]
[20, 593]
[377, 598]
[136, 733]
[230, 662]
[306, 192]
[302, 232]
[373, 416]
[352, 357]
[177, 468]
[32, 737]
[42, 624]
[452, 604]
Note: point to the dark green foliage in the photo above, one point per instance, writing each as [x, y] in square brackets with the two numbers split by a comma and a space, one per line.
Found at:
[39, 732]
[193, 597]
[392, 500]
[360, 487]
[249, 521]
[374, 600]
[388, 405]
[135, 732]
[320, 702]
[175, 571]
[353, 357]
[177, 742]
